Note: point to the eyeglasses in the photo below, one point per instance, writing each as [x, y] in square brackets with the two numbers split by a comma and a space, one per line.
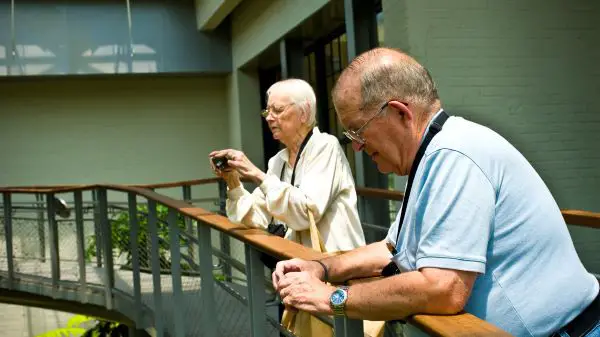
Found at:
[355, 135]
[276, 111]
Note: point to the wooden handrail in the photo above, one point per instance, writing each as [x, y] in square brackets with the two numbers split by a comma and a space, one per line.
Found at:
[379, 193]
[460, 325]
[572, 217]
[582, 218]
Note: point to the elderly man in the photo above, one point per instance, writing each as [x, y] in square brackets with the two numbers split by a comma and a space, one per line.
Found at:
[478, 231]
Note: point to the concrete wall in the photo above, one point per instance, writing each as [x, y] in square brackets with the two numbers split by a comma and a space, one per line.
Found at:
[210, 13]
[92, 37]
[256, 24]
[528, 70]
[116, 130]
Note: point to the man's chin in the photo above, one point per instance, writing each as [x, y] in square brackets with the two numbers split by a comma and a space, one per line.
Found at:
[384, 167]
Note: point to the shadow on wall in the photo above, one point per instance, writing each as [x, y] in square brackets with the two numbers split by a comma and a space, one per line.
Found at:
[94, 38]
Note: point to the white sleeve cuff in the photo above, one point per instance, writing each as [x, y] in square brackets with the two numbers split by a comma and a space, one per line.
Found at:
[268, 184]
[236, 193]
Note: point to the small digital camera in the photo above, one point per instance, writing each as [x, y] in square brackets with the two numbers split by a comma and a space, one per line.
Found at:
[221, 163]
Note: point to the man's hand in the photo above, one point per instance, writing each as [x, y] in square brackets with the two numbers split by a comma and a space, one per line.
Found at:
[304, 291]
[295, 265]
[238, 161]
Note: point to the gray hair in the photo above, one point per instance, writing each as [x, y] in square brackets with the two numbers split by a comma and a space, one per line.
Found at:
[387, 73]
[402, 80]
[301, 94]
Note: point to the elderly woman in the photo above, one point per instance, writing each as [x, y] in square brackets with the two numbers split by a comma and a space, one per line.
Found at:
[311, 173]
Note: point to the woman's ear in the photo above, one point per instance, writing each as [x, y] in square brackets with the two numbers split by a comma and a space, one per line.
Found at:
[305, 113]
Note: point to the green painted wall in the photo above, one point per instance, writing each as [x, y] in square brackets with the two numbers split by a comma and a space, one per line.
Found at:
[245, 128]
[528, 70]
[112, 129]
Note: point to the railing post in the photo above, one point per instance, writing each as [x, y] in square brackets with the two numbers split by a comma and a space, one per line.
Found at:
[154, 252]
[224, 238]
[187, 197]
[135, 256]
[207, 281]
[339, 326]
[7, 204]
[176, 272]
[346, 327]
[80, 237]
[106, 232]
[256, 291]
[39, 198]
[54, 253]
[97, 232]
[354, 327]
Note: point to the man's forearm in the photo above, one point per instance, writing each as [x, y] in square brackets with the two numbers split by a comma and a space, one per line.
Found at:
[428, 291]
[362, 262]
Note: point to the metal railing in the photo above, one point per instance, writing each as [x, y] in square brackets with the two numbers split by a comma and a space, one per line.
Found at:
[130, 254]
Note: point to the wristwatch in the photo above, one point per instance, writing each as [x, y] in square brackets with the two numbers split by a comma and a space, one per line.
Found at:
[337, 300]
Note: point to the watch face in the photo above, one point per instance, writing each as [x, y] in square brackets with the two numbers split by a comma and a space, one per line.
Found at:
[338, 297]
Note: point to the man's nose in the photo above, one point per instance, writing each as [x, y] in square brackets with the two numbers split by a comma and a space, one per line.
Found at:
[357, 147]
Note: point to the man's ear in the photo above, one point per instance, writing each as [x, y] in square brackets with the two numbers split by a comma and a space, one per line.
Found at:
[402, 109]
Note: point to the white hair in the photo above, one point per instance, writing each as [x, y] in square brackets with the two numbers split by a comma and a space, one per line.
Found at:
[300, 93]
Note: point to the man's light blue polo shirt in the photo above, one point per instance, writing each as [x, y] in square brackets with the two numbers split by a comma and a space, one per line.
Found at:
[477, 205]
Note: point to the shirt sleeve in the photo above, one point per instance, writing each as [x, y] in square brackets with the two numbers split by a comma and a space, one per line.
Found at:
[247, 208]
[454, 211]
[321, 169]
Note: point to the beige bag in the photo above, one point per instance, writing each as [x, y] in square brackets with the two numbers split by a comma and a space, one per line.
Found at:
[303, 324]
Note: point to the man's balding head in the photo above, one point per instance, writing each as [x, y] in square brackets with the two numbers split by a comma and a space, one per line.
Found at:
[383, 74]
[385, 98]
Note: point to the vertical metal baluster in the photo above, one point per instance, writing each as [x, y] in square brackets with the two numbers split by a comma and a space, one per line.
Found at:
[354, 327]
[224, 238]
[80, 237]
[207, 282]
[154, 249]
[135, 256]
[176, 272]
[7, 203]
[54, 254]
[106, 233]
[339, 326]
[256, 291]
[39, 198]
[187, 196]
[97, 232]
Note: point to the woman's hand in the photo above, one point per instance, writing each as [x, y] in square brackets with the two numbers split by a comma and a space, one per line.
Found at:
[238, 161]
[231, 177]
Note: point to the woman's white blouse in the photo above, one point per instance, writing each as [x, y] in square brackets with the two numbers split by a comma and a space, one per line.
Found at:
[323, 184]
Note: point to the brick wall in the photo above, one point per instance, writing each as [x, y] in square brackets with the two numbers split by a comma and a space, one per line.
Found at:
[529, 70]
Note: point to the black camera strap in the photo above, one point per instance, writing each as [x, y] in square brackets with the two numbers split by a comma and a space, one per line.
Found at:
[300, 150]
[434, 128]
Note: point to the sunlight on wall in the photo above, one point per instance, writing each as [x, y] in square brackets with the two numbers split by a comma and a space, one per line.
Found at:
[31, 60]
[120, 59]
[3, 68]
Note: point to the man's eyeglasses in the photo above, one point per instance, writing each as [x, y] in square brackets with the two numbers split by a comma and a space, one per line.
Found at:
[355, 135]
